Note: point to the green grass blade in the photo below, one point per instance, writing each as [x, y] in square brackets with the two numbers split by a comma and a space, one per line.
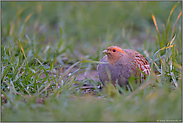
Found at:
[158, 33]
[174, 27]
[168, 21]
[4, 72]
[22, 51]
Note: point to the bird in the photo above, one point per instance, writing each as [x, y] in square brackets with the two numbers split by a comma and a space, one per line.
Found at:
[119, 65]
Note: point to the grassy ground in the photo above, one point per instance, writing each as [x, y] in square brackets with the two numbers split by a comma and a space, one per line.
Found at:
[49, 51]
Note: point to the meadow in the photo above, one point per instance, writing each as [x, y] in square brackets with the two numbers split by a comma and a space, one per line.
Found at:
[50, 52]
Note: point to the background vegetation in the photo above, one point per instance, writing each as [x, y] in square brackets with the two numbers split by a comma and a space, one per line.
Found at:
[49, 52]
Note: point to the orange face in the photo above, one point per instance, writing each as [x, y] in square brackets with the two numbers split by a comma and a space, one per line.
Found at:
[113, 50]
[113, 54]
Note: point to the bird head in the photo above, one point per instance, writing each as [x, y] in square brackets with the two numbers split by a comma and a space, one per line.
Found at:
[113, 54]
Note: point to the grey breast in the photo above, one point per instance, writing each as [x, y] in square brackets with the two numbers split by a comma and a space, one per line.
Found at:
[119, 72]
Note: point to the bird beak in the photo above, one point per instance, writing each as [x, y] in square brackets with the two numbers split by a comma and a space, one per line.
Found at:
[105, 51]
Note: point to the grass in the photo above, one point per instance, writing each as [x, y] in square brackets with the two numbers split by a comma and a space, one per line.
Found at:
[44, 52]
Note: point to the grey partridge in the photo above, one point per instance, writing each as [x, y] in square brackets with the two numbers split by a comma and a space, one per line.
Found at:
[121, 64]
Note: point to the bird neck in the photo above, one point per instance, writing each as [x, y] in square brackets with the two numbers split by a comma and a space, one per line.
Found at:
[112, 59]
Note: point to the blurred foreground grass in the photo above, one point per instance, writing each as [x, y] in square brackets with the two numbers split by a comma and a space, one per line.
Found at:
[42, 42]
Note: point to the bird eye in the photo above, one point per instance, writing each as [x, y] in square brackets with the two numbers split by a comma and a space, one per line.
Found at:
[114, 50]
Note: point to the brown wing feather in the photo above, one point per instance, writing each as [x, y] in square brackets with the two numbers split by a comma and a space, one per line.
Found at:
[142, 63]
